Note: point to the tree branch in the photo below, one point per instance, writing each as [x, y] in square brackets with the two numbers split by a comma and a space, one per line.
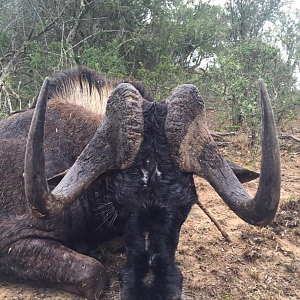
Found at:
[221, 135]
[223, 232]
[84, 5]
[49, 26]
[32, 28]
[289, 137]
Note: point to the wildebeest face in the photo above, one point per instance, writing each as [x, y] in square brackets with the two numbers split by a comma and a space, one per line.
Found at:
[181, 145]
[154, 198]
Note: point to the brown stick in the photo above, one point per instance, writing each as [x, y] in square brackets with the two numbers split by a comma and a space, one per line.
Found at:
[289, 137]
[223, 232]
[222, 134]
[224, 144]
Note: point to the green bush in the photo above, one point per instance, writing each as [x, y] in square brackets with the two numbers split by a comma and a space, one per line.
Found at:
[107, 61]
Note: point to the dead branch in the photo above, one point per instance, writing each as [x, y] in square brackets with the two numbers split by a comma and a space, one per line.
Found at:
[222, 134]
[218, 136]
[84, 6]
[50, 25]
[16, 95]
[289, 137]
[7, 99]
[7, 55]
[32, 27]
[224, 144]
[223, 232]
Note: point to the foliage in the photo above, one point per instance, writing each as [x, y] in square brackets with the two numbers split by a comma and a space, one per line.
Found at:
[248, 18]
[252, 51]
[2, 115]
[107, 61]
[4, 42]
[237, 73]
[223, 50]
[162, 80]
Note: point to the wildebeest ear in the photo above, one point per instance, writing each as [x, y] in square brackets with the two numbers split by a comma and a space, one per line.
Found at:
[243, 175]
[55, 180]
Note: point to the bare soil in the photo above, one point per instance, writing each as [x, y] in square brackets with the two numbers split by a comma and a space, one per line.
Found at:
[259, 263]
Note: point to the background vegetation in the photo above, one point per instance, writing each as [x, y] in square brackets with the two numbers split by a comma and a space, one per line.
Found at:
[222, 50]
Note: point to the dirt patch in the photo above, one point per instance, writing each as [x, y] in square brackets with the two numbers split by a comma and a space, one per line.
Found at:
[259, 264]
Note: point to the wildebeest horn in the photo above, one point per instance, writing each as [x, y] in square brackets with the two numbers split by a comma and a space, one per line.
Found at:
[243, 175]
[195, 151]
[114, 146]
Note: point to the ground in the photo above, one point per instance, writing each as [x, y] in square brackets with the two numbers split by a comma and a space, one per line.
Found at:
[259, 263]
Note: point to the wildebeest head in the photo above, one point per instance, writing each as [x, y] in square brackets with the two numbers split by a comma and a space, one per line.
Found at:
[156, 148]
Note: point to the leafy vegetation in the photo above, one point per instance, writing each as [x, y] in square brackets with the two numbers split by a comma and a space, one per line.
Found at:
[164, 43]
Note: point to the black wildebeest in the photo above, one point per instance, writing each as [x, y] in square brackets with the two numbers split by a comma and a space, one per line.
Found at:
[104, 161]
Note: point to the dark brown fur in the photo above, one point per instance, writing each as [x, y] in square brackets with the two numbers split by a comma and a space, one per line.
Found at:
[32, 248]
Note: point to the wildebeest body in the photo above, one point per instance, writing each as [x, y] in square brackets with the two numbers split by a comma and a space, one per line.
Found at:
[152, 186]
[143, 189]
[61, 150]
[28, 243]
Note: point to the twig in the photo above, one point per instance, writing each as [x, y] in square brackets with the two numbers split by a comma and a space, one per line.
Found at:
[84, 6]
[49, 26]
[223, 232]
[7, 99]
[32, 27]
[289, 137]
[223, 144]
[16, 95]
[83, 40]
[221, 134]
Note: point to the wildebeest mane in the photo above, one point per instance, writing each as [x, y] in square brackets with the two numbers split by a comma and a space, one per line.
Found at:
[86, 88]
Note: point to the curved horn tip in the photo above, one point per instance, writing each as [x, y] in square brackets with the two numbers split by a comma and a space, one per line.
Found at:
[186, 93]
[261, 83]
[43, 95]
[34, 168]
[46, 82]
[125, 87]
[260, 80]
[186, 88]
